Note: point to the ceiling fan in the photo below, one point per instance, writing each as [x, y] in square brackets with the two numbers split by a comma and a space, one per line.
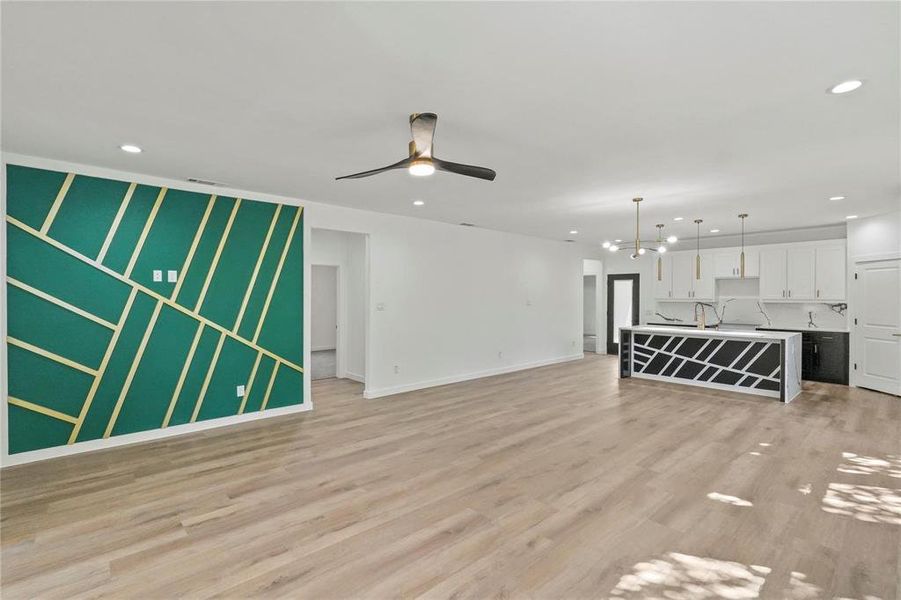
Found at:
[421, 161]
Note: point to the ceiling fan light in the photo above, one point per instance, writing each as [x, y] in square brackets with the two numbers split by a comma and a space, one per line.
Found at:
[641, 251]
[605, 245]
[614, 248]
[661, 248]
[422, 168]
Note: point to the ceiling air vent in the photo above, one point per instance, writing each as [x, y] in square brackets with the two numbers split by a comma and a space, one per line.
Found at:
[202, 181]
[466, 225]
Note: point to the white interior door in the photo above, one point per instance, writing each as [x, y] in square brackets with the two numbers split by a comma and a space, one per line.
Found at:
[877, 300]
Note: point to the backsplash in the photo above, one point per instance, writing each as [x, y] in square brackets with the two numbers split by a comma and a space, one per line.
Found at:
[752, 311]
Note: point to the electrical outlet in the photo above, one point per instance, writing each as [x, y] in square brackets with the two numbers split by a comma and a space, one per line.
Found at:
[157, 275]
[172, 276]
[240, 391]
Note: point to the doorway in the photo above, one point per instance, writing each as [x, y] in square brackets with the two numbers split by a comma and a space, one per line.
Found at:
[877, 325]
[589, 313]
[324, 330]
[622, 306]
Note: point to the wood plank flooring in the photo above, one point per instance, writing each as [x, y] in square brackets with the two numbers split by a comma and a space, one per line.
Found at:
[558, 482]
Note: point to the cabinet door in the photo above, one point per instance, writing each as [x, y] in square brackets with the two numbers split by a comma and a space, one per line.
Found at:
[830, 273]
[772, 274]
[705, 287]
[801, 273]
[663, 286]
[683, 272]
[725, 264]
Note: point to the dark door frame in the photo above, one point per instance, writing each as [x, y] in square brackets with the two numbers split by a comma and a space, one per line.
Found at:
[613, 348]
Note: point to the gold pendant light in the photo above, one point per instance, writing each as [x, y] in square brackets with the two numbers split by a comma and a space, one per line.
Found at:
[741, 257]
[698, 255]
[637, 202]
[660, 249]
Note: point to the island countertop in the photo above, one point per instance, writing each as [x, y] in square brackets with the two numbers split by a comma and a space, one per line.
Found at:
[766, 363]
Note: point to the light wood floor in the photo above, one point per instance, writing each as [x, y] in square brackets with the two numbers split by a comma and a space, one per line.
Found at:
[559, 482]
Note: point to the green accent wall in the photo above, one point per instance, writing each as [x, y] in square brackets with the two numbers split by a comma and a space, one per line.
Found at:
[95, 351]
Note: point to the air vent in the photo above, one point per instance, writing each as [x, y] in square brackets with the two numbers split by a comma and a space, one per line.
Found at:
[201, 181]
[466, 225]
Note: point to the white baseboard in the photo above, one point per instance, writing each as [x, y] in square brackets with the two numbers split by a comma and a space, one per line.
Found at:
[146, 436]
[319, 348]
[354, 376]
[420, 385]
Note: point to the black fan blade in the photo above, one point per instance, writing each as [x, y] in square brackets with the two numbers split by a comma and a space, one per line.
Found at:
[468, 170]
[398, 165]
[422, 126]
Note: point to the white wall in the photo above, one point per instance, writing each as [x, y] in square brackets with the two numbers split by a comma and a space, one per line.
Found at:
[347, 251]
[324, 308]
[590, 306]
[593, 266]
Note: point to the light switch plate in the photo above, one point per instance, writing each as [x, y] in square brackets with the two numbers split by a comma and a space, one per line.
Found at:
[172, 276]
[240, 391]
[157, 275]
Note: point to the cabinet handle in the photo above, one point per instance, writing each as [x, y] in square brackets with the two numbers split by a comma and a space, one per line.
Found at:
[789, 293]
[818, 293]
[783, 293]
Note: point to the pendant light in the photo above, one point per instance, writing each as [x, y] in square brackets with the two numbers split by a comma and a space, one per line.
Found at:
[741, 257]
[638, 249]
[660, 250]
[698, 255]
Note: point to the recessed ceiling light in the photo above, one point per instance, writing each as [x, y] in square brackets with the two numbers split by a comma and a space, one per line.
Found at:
[678, 218]
[130, 148]
[418, 203]
[714, 231]
[672, 239]
[614, 248]
[573, 232]
[851, 217]
[618, 241]
[846, 86]
[837, 198]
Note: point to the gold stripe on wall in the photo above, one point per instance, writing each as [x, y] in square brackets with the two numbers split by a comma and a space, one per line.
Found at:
[134, 367]
[215, 263]
[41, 409]
[256, 268]
[145, 232]
[116, 221]
[253, 376]
[209, 376]
[181, 377]
[52, 356]
[103, 363]
[193, 249]
[60, 303]
[106, 270]
[269, 387]
[57, 202]
[278, 272]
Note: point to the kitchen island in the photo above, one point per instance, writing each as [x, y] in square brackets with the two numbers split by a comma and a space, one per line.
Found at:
[766, 363]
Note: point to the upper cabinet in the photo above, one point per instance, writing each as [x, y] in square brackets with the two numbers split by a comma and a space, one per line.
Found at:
[804, 272]
[663, 280]
[727, 263]
[830, 273]
[679, 280]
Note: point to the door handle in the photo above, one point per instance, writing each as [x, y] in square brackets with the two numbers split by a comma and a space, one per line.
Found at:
[897, 334]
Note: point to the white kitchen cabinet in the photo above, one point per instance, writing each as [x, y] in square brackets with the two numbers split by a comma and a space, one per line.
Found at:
[703, 289]
[663, 287]
[830, 273]
[772, 274]
[684, 284]
[683, 273]
[800, 273]
[727, 263]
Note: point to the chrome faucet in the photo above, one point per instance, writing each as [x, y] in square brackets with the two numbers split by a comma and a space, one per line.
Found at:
[702, 323]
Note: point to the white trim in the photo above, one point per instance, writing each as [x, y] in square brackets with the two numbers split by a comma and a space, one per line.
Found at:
[865, 258]
[354, 376]
[322, 348]
[420, 385]
[150, 435]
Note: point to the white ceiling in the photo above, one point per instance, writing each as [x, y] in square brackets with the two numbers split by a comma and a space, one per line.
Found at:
[705, 109]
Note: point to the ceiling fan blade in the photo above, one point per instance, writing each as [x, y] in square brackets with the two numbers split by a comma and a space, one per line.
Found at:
[468, 170]
[422, 126]
[398, 165]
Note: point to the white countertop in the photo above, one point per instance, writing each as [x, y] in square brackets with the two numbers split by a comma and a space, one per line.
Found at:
[713, 333]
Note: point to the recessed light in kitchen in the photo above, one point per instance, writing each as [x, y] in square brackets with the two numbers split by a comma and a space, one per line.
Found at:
[846, 86]
[672, 239]
[573, 232]
[834, 198]
[418, 203]
[714, 231]
[849, 217]
[678, 218]
[618, 241]
[130, 148]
